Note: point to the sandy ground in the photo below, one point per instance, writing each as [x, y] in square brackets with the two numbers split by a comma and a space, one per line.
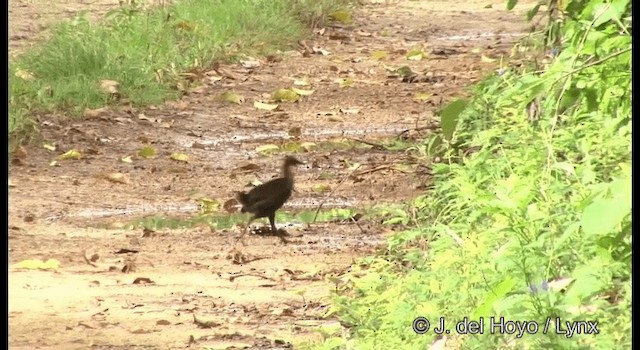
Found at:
[194, 287]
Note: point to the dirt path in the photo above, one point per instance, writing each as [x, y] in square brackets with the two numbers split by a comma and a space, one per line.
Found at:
[276, 300]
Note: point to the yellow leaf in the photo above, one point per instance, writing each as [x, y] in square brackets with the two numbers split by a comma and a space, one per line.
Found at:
[345, 82]
[422, 96]
[109, 86]
[36, 264]
[71, 154]
[230, 97]
[486, 59]
[267, 148]
[54, 163]
[49, 147]
[209, 205]
[285, 95]
[302, 82]
[302, 92]
[341, 16]
[265, 106]
[180, 157]
[320, 188]
[336, 118]
[118, 178]
[308, 146]
[24, 75]
[379, 55]
[415, 55]
[126, 159]
[147, 152]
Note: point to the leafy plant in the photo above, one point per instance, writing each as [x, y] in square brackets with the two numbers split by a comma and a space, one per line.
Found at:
[533, 223]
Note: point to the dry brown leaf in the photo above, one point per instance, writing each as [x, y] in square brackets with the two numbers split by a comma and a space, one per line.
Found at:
[118, 178]
[109, 86]
[95, 113]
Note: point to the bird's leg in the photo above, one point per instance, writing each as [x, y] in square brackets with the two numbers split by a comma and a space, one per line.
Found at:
[272, 221]
[245, 231]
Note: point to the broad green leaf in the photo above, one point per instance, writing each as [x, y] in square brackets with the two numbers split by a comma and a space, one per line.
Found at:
[511, 4]
[449, 117]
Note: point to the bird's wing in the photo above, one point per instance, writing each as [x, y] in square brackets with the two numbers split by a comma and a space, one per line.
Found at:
[260, 205]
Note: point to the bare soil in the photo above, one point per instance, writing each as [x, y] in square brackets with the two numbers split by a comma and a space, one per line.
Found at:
[198, 288]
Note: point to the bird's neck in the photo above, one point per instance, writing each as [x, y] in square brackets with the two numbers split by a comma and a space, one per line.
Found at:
[287, 174]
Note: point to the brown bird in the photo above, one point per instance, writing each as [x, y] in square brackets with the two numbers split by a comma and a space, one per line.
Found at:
[264, 200]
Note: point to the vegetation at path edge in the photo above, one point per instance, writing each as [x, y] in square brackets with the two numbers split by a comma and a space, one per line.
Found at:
[529, 217]
[146, 52]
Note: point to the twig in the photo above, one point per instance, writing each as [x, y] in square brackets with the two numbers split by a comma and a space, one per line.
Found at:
[427, 127]
[376, 145]
[381, 167]
[357, 224]
[332, 191]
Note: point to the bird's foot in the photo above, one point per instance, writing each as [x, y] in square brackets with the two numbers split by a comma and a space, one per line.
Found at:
[282, 234]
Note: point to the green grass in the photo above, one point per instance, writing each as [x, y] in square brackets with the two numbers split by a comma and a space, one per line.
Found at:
[146, 51]
[390, 214]
[222, 221]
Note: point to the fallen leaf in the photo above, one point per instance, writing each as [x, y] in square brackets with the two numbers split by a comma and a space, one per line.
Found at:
[180, 157]
[321, 188]
[126, 159]
[341, 16]
[163, 323]
[336, 118]
[24, 75]
[379, 55]
[118, 178]
[321, 51]
[37, 264]
[345, 82]
[422, 96]
[265, 106]
[54, 163]
[415, 55]
[349, 110]
[250, 63]
[209, 205]
[295, 131]
[285, 95]
[486, 59]
[109, 86]
[147, 152]
[95, 113]
[267, 148]
[230, 205]
[308, 146]
[19, 155]
[71, 154]
[302, 92]
[49, 147]
[230, 97]
[302, 82]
